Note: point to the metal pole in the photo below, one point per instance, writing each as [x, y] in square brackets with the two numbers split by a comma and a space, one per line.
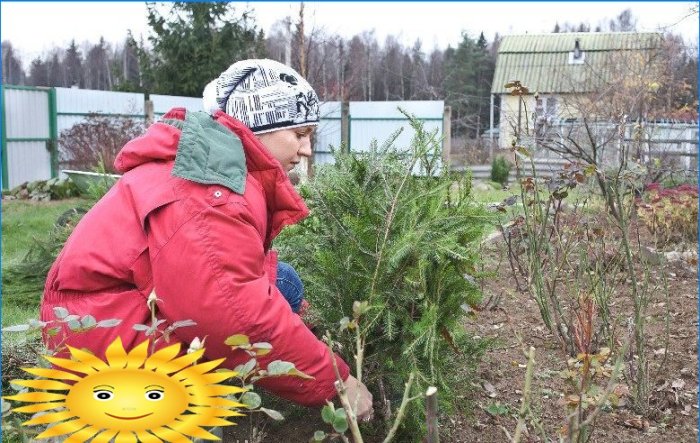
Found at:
[491, 111]
[4, 141]
[53, 132]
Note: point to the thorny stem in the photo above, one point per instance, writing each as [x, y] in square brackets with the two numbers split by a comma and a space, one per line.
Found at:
[359, 357]
[525, 405]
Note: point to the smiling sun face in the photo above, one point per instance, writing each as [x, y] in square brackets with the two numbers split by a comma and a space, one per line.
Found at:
[127, 399]
[130, 396]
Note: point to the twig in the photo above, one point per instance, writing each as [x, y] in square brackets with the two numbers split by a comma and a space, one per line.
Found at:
[402, 409]
[343, 396]
[526, 395]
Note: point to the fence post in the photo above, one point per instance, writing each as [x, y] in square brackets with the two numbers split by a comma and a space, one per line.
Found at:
[4, 142]
[431, 412]
[52, 143]
[345, 126]
[447, 135]
[148, 107]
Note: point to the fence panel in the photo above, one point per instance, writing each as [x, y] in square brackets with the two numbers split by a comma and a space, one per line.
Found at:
[371, 121]
[26, 132]
[327, 133]
[73, 105]
[164, 103]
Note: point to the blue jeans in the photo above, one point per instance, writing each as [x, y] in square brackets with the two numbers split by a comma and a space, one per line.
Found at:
[290, 285]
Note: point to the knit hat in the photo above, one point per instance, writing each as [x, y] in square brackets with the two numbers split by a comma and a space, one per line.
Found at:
[263, 94]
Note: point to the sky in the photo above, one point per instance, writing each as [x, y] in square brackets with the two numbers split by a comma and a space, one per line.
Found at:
[36, 27]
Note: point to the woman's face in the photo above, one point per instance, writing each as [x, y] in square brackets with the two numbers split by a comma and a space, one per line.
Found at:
[288, 146]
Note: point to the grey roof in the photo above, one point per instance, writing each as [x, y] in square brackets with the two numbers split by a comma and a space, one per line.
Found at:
[541, 62]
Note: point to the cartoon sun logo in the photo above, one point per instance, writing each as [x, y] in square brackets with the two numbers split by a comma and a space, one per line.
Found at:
[131, 397]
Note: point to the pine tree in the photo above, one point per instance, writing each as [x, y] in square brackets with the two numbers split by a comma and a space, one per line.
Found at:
[194, 43]
[73, 66]
[401, 242]
[38, 73]
[12, 72]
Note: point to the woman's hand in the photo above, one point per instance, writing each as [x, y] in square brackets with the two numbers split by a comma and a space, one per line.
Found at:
[360, 398]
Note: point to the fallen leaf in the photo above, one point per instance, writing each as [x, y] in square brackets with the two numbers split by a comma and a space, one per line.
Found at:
[678, 384]
[637, 423]
[489, 388]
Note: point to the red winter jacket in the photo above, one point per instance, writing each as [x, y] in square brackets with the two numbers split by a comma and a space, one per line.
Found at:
[202, 242]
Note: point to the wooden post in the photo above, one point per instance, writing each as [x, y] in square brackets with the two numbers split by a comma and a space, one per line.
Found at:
[431, 411]
[447, 136]
[148, 106]
[345, 126]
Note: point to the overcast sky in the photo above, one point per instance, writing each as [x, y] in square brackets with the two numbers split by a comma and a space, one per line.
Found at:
[36, 27]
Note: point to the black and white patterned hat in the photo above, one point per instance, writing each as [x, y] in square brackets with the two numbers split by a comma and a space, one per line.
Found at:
[263, 94]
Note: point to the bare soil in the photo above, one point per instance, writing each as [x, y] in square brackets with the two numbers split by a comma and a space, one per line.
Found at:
[512, 319]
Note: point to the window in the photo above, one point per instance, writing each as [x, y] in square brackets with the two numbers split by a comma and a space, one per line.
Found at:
[545, 116]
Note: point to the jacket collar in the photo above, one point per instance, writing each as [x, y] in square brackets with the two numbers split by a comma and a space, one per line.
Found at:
[190, 139]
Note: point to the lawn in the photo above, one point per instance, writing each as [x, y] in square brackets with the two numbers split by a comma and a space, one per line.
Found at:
[23, 223]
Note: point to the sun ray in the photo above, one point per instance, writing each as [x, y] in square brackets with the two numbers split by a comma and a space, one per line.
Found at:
[104, 436]
[36, 397]
[89, 359]
[189, 425]
[130, 397]
[71, 365]
[39, 407]
[49, 418]
[125, 437]
[82, 435]
[198, 370]
[147, 437]
[217, 377]
[52, 373]
[66, 427]
[115, 354]
[44, 385]
[158, 357]
[137, 356]
[170, 435]
[169, 367]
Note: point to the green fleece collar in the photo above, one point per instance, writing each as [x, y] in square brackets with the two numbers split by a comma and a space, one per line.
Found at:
[210, 154]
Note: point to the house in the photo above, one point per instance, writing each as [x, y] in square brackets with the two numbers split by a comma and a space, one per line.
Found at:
[561, 71]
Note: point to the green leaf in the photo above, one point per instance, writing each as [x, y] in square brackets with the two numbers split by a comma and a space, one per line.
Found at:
[60, 312]
[328, 414]
[251, 400]
[139, 327]
[74, 325]
[340, 424]
[88, 321]
[319, 436]
[273, 414]
[244, 370]
[53, 331]
[109, 323]
[294, 372]
[237, 340]
[523, 151]
[279, 367]
[262, 348]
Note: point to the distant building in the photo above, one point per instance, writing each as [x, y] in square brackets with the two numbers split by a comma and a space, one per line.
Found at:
[558, 69]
